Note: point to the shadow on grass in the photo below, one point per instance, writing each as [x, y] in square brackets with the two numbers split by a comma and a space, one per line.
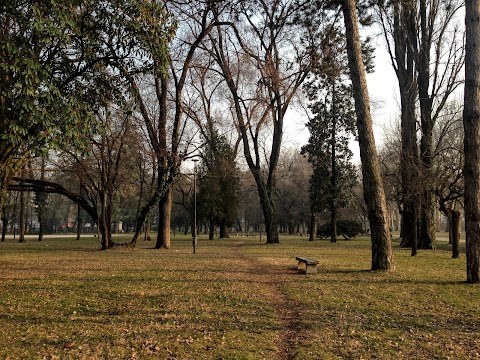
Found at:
[388, 278]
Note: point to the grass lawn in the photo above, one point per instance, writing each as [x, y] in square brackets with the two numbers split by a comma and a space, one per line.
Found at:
[233, 299]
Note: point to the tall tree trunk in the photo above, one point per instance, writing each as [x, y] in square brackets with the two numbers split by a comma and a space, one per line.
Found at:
[187, 221]
[374, 195]
[333, 223]
[271, 225]
[449, 227]
[471, 123]
[211, 228]
[103, 225]
[404, 36]
[165, 204]
[333, 179]
[427, 227]
[455, 232]
[22, 218]
[106, 218]
[164, 220]
[427, 233]
[402, 230]
[312, 227]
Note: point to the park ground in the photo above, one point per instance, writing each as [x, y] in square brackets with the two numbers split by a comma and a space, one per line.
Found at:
[233, 299]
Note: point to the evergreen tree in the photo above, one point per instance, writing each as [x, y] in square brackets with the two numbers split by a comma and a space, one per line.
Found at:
[331, 127]
[219, 183]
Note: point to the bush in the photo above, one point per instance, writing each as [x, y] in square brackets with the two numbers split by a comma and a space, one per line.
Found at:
[346, 228]
[323, 231]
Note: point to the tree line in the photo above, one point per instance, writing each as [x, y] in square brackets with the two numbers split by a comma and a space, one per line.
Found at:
[118, 95]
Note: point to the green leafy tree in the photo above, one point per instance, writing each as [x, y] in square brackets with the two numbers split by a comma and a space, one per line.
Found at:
[56, 69]
[50, 79]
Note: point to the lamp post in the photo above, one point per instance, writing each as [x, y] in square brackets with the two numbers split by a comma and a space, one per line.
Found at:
[194, 235]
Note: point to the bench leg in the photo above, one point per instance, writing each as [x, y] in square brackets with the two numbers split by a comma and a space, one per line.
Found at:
[311, 269]
[302, 266]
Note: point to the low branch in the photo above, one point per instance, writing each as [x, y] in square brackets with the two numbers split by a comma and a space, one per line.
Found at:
[53, 188]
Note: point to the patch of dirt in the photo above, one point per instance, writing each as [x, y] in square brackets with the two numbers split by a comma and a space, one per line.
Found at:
[271, 278]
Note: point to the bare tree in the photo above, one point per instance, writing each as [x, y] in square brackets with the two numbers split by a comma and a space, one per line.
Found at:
[426, 49]
[292, 190]
[447, 170]
[439, 60]
[164, 85]
[264, 57]
[399, 30]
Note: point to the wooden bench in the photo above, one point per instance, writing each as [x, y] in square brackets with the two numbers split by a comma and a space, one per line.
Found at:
[308, 265]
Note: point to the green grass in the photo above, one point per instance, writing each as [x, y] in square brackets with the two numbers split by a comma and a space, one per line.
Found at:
[63, 298]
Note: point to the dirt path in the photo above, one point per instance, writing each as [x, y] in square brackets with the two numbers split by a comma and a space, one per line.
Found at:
[271, 278]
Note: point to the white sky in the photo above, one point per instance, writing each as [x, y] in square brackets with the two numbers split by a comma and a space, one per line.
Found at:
[383, 91]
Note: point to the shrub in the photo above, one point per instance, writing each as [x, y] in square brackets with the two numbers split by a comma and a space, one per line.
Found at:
[346, 228]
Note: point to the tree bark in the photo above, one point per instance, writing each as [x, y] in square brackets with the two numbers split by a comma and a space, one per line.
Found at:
[333, 179]
[3, 193]
[211, 227]
[22, 218]
[471, 123]
[164, 220]
[427, 233]
[148, 226]
[427, 226]
[449, 227]
[146, 211]
[404, 36]
[105, 221]
[312, 227]
[333, 224]
[374, 195]
[79, 216]
[269, 214]
[455, 231]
